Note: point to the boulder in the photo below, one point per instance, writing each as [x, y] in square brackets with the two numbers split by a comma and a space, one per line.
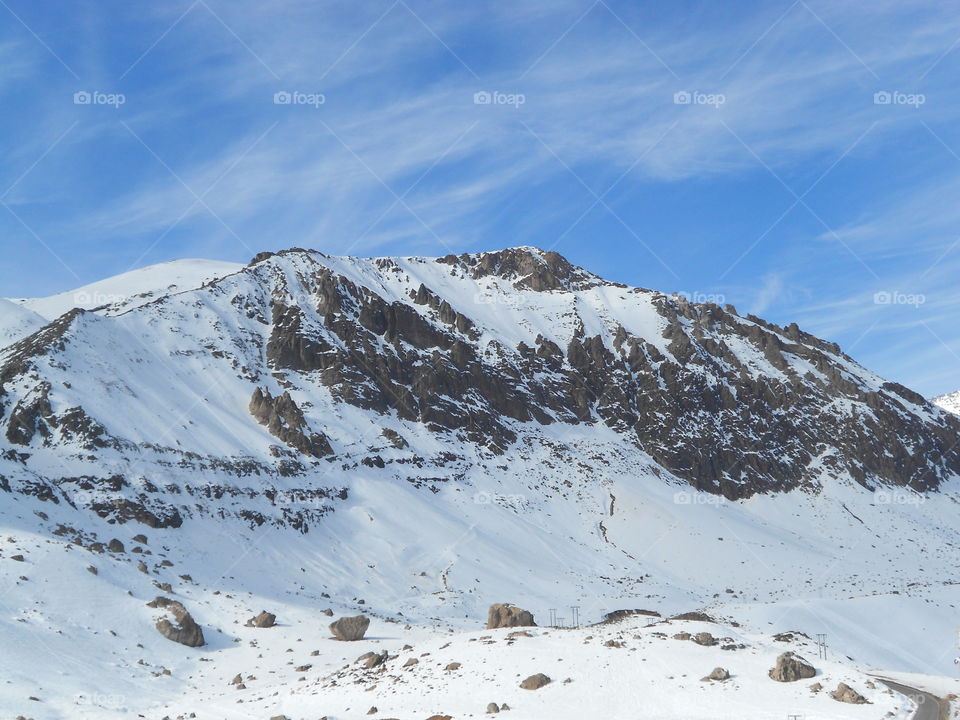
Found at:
[791, 667]
[350, 628]
[263, 620]
[506, 615]
[184, 629]
[704, 638]
[115, 546]
[535, 682]
[845, 693]
[371, 660]
[492, 708]
[718, 673]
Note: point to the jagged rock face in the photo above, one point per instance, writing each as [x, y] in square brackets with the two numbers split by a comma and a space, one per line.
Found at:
[308, 357]
[845, 693]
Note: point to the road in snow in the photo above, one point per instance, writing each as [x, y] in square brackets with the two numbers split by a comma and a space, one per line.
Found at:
[929, 707]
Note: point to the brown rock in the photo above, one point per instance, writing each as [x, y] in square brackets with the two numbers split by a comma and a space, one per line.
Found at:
[845, 693]
[535, 682]
[791, 667]
[350, 628]
[506, 615]
[263, 620]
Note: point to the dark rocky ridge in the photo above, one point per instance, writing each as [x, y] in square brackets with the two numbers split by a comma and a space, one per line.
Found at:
[732, 405]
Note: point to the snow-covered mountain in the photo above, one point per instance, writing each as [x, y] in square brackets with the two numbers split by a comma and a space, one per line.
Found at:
[949, 402]
[417, 438]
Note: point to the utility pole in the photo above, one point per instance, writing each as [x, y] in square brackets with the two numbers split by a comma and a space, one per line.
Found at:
[575, 615]
[822, 646]
[553, 617]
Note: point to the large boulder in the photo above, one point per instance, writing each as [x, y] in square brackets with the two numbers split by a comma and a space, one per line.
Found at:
[350, 628]
[503, 615]
[845, 693]
[263, 620]
[184, 629]
[791, 667]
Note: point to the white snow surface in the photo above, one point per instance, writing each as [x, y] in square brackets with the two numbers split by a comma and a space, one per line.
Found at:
[949, 402]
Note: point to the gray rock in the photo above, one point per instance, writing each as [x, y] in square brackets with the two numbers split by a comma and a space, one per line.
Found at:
[502, 615]
[535, 682]
[115, 546]
[263, 620]
[704, 638]
[184, 629]
[791, 667]
[350, 628]
[492, 708]
[718, 673]
[846, 694]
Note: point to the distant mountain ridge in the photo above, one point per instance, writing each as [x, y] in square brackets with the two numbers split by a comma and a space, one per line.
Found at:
[301, 367]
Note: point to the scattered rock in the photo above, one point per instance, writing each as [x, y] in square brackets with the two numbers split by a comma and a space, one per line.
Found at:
[506, 615]
[350, 628]
[115, 546]
[719, 674]
[535, 682]
[263, 620]
[18, 558]
[492, 708]
[816, 687]
[328, 612]
[411, 662]
[682, 636]
[845, 693]
[452, 666]
[142, 539]
[791, 667]
[371, 660]
[373, 710]
[92, 569]
[142, 566]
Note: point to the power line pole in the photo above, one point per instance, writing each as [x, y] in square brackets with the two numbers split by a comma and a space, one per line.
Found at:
[822, 646]
[575, 615]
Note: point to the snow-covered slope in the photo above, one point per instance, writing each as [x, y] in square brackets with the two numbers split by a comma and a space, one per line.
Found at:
[16, 322]
[132, 289]
[416, 439]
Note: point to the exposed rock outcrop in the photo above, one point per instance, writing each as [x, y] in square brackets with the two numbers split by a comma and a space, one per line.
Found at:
[183, 629]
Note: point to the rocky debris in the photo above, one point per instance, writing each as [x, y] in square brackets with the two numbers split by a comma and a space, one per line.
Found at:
[791, 667]
[350, 628]
[263, 620]
[501, 615]
[18, 558]
[682, 636]
[327, 611]
[141, 538]
[373, 710]
[411, 662]
[719, 674]
[846, 694]
[816, 687]
[185, 630]
[492, 708]
[115, 546]
[237, 680]
[452, 666]
[535, 682]
[142, 566]
[92, 570]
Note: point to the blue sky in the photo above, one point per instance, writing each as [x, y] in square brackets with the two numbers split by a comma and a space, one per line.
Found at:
[785, 185]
